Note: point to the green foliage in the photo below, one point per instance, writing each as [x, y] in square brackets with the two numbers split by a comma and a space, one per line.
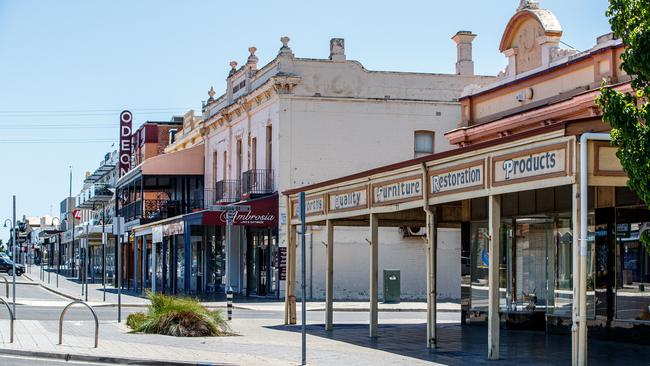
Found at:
[135, 320]
[627, 113]
[179, 317]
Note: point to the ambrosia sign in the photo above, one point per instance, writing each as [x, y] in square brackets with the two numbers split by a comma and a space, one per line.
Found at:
[544, 162]
[350, 199]
[400, 190]
[458, 178]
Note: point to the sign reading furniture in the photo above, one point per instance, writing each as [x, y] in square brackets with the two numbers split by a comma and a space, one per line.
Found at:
[396, 191]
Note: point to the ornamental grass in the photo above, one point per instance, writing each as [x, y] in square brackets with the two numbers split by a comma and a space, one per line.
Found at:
[178, 317]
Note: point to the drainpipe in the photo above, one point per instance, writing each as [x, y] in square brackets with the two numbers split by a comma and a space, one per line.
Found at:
[582, 278]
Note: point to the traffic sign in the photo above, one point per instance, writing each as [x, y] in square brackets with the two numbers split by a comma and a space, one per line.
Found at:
[230, 208]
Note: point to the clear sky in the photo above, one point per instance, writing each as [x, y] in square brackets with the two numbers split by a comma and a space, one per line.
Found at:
[68, 67]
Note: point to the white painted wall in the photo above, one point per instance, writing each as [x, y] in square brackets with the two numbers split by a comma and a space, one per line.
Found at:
[352, 265]
[339, 119]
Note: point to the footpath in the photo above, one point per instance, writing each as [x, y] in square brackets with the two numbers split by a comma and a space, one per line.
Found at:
[257, 339]
[97, 297]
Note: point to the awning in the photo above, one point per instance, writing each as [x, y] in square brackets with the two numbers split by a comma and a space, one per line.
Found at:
[184, 162]
[263, 213]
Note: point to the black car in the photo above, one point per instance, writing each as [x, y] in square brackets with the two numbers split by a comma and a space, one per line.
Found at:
[6, 266]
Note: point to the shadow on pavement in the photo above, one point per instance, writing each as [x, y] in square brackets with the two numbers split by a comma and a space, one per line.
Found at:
[467, 345]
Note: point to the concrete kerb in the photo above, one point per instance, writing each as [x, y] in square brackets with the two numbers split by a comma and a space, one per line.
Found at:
[103, 359]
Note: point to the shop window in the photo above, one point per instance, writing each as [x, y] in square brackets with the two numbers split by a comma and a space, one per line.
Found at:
[509, 204]
[479, 208]
[526, 202]
[632, 266]
[423, 142]
[545, 200]
[563, 201]
[626, 197]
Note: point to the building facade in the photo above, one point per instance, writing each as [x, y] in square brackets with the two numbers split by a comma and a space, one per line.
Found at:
[549, 230]
[296, 121]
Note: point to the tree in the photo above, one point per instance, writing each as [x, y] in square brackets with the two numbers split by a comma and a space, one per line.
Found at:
[627, 113]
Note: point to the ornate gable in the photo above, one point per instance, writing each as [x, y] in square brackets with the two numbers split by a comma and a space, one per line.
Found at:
[525, 35]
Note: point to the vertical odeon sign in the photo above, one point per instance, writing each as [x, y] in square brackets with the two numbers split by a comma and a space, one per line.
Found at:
[126, 121]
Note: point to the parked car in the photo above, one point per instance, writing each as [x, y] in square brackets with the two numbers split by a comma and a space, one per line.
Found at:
[6, 266]
[4, 255]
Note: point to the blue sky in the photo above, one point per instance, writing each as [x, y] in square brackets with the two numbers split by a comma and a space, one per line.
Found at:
[68, 67]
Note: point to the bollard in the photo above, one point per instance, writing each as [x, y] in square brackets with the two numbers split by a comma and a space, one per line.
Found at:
[229, 300]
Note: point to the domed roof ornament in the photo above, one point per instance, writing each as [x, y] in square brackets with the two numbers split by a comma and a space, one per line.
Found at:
[528, 4]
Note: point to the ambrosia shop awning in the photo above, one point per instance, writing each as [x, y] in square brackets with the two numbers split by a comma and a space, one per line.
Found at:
[263, 213]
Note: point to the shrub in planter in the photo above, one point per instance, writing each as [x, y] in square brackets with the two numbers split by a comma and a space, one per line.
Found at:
[135, 320]
[179, 317]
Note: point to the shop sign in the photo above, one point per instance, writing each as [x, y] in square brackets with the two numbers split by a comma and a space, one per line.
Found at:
[397, 191]
[126, 120]
[313, 206]
[174, 228]
[535, 164]
[457, 179]
[282, 263]
[263, 212]
[352, 199]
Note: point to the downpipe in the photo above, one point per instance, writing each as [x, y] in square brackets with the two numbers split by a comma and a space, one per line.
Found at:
[584, 249]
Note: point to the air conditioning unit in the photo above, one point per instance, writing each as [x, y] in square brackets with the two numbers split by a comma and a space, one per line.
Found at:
[408, 232]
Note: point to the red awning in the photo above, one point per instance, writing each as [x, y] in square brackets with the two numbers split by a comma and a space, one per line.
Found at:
[263, 213]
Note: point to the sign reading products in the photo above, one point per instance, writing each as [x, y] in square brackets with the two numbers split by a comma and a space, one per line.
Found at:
[126, 120]
[531, 164]
[349, 200]
[397, 191]
[460, 178]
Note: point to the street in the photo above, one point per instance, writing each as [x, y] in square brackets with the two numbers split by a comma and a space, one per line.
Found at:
[7, 360]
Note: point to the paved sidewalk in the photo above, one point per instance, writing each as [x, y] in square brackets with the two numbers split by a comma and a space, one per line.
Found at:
[257, 342]
[71, 289]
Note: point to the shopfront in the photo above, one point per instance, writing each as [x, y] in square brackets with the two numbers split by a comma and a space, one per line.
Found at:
[248, 262]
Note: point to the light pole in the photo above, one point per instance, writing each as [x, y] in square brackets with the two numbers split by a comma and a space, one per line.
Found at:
[49, 256]
[13, 255]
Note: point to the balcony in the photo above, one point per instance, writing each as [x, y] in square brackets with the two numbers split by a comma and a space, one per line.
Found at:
[131, 211]
[94, 194]
[257, 182]
[227, 191]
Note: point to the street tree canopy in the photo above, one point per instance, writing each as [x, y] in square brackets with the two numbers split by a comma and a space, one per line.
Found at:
[627, 113]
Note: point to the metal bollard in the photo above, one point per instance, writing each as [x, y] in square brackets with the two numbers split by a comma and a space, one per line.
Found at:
[229, 300]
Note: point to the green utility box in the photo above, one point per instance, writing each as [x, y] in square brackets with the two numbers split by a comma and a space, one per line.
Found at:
[392, 286]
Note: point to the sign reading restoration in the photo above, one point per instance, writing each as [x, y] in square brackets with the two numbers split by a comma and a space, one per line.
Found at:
[406, 189]
[351, 199]
[458, 178]
[544, 162]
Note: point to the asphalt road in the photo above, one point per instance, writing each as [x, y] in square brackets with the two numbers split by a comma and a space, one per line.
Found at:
[23, 361]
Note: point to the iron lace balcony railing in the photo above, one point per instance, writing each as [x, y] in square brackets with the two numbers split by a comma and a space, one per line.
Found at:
[257, 181]
[227, 191]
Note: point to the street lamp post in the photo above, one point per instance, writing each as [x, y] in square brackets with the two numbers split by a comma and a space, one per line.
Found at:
[13, 251]
[49, 256]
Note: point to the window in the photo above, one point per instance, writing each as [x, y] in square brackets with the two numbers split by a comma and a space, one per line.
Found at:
[423, 143]
[215, 171]
[225, 165]
[269, 147]
[239, 158]
[254, 153]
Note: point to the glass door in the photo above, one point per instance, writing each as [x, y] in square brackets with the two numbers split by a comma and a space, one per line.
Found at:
[533, 238]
